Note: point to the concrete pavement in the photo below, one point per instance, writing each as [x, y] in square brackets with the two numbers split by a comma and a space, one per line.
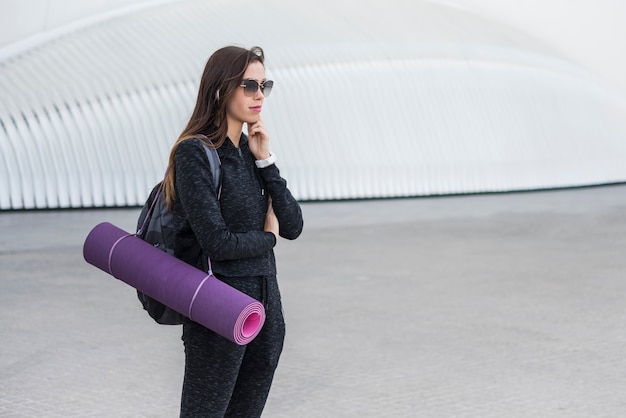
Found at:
[500, 305]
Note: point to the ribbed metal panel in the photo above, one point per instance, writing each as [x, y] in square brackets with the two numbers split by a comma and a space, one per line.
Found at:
[451, 127]
[415, 99]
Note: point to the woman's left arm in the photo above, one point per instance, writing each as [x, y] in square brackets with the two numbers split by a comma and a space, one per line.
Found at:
[285, 206]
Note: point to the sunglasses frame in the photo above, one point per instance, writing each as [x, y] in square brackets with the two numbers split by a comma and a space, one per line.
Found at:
[262, 85]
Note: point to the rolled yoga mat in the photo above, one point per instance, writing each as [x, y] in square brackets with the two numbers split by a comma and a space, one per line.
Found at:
[184, 288]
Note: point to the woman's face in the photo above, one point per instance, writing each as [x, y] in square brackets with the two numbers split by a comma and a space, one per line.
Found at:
[243, 108]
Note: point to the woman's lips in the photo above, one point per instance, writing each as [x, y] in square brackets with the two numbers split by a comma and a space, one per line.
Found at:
[256, 108]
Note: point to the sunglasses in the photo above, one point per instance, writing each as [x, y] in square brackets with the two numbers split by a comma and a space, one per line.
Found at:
[251, 86]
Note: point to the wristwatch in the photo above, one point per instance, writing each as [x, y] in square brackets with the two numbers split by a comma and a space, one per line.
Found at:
[266, 162]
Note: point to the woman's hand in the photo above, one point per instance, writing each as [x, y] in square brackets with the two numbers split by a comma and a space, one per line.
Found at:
[258, 140]
[271, 221]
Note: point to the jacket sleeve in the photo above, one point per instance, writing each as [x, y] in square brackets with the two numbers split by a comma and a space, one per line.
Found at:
[198, 198]
[285, 206]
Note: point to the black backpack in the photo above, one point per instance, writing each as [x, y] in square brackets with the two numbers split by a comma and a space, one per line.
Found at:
[156, 226]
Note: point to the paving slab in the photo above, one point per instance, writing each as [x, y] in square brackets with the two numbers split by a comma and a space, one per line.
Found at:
[495, 305]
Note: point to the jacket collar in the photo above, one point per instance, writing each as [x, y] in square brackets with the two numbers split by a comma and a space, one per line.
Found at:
[243, 142]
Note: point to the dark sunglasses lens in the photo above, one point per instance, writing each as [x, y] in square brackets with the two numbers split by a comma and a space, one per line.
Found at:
[250, 87]
[267, 87]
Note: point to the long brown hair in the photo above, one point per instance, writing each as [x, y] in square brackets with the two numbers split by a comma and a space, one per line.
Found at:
[222, 75]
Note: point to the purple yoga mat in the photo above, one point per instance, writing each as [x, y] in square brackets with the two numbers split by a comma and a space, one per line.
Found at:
[184, 288]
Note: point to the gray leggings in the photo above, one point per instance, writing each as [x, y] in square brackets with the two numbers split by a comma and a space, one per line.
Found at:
[223, 379]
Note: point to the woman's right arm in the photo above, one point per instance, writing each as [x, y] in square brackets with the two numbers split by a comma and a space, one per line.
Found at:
[197, 195]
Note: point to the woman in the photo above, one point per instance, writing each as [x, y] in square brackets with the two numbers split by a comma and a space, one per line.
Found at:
[236, 227]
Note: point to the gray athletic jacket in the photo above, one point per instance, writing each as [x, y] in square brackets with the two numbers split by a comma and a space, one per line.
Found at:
[229, 230]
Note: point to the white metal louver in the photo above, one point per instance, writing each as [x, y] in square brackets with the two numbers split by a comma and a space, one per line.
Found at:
[408, 99]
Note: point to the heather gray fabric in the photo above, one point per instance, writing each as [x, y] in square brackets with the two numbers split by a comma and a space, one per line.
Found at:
[230, 230]
[225, 379]
[220, 376]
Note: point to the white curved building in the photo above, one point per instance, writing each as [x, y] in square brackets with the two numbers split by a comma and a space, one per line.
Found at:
[371, 99]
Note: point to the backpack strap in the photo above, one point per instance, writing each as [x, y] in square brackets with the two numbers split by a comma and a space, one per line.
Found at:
[214, 163]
